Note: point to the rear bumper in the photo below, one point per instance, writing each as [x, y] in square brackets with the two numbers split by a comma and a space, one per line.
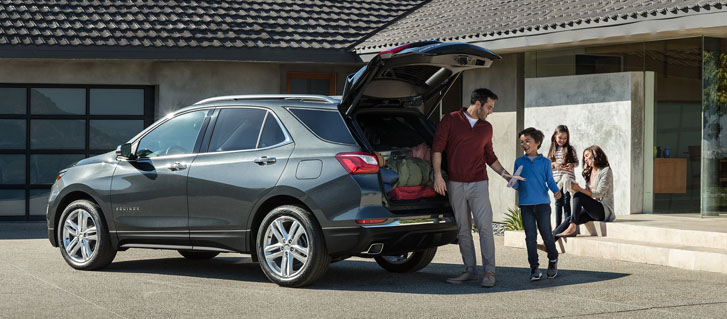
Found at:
[396, 237]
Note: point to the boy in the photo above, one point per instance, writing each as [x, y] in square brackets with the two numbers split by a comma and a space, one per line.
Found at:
[534, 201]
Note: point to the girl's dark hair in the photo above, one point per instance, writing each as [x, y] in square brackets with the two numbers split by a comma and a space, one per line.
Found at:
[536, 134]
[570, 151]
[600, 160]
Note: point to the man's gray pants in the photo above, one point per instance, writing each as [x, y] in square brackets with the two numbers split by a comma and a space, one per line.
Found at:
[475, 197]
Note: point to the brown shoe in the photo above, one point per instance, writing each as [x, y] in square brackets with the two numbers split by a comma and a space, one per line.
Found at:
[488, 281]
[566, 233]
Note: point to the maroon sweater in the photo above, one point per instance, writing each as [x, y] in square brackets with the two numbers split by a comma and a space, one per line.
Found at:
[469, 149]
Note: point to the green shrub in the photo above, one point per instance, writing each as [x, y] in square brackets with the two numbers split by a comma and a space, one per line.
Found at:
[513, 219]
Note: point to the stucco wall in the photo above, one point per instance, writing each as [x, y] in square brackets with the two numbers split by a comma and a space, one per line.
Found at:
[178, 83]
[504, 78]
[601, 109]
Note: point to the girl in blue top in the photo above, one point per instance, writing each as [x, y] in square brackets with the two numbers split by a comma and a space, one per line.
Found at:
[534, 201]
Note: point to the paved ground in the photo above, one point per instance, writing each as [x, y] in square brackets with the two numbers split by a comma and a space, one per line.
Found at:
[35, 282]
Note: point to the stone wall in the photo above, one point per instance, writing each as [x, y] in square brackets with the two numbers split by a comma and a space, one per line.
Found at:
[600, 109]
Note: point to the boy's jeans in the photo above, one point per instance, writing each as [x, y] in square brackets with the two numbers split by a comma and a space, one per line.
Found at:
[562, 204]
[537, 217]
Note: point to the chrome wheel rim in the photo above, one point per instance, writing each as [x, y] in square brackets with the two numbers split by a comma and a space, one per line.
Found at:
[398, 259]
[80, 236]
[286, 247]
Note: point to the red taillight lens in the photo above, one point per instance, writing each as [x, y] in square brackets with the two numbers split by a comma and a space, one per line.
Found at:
[370, 221]
[358, 163]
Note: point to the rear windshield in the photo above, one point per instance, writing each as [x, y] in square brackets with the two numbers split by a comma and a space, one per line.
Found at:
[326, 124]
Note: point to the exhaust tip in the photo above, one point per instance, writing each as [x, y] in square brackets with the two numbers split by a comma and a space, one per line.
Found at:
[375, 249]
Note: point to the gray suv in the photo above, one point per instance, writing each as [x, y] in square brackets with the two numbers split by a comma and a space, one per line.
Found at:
[293, 180]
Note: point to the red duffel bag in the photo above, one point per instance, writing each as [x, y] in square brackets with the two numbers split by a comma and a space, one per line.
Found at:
[411, 192]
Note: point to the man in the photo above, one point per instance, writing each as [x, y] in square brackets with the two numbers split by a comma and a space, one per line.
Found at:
[467, 139]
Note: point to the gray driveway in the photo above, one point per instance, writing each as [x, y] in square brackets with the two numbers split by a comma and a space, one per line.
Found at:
[35, 282]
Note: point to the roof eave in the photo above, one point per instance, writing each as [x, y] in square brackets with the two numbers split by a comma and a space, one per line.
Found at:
[615, 31]
[179, 54]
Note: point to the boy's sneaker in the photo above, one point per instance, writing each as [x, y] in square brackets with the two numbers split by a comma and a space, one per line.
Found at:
[463, 277]
[552, 268]
[535, 273]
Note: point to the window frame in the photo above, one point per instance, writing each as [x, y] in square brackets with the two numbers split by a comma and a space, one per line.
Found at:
[213, 123]
[198, 141]
[147, 117]
[331, 77]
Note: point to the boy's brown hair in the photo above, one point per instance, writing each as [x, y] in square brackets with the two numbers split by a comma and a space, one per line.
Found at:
[536, 134]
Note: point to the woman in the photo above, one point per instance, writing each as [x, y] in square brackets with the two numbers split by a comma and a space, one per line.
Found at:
[596, 201]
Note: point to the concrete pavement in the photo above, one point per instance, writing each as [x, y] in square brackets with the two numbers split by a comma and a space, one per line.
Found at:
[35, 282]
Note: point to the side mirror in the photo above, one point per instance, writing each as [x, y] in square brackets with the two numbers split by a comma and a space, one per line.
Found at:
[124, 150]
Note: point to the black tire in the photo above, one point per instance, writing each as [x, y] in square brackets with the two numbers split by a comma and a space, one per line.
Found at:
[410, 262]
[77, 255]
[198, 255]
[312, 242]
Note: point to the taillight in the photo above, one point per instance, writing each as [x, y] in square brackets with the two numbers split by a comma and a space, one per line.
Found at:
[370, 221]
[358, 163]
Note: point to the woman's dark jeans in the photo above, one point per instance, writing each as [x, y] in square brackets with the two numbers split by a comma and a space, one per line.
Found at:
[562, 208]
[585, 209]
[537, 218]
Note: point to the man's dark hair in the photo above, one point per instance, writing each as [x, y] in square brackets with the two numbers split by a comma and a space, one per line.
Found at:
[536, 134]
[481, 95]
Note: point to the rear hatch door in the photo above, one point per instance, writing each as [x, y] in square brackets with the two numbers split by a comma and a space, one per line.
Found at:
[416, 75]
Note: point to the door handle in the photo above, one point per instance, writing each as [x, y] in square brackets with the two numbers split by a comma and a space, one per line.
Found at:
[177, 166]
[264, 160]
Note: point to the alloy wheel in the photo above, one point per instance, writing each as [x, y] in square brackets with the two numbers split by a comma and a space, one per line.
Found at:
[80, 236]
[286, 246]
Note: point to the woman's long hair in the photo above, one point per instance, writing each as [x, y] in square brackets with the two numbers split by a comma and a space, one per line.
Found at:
[570, 152]
[600, 160]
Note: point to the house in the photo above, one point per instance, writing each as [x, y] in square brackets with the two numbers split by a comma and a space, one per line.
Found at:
[635, 77]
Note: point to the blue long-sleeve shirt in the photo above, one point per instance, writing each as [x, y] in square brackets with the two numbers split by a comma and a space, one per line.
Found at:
[538, 176]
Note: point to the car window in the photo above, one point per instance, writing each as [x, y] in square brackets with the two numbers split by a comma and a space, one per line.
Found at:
[272, 133]
[327, 125]
[237, 129]
[176, 136]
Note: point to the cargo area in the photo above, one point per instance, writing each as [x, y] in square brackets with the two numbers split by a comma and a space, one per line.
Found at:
[402, 141]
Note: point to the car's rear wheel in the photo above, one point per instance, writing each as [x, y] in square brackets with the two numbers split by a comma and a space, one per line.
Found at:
[197, 255]
[84, 239]
[409, 262]
[291, 248]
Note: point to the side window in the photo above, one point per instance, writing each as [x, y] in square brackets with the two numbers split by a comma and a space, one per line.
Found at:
[176, 136]
[237, 129]
[327, 125]
[272, 133]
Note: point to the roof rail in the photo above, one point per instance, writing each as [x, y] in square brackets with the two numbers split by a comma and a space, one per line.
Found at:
[310, 97]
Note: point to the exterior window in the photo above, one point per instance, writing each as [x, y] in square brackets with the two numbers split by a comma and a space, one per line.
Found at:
[117, 101]
[173, 137]
[272, 133]
[59, 101]
[327, 125]
[13, 101]
[237, 129]
[45, 128]
[311, 83]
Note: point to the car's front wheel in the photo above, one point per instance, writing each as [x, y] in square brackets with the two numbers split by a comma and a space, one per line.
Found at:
[84, 239]
[290, 247]
[409, 262]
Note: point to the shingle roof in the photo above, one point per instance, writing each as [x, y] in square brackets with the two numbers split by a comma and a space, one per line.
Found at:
[482, 20]
[270, 24]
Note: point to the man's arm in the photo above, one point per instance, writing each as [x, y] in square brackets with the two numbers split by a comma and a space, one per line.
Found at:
[439, 185]
[497, 167]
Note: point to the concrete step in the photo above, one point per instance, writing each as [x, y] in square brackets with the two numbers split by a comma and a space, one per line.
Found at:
[635, 230]
[679, 256]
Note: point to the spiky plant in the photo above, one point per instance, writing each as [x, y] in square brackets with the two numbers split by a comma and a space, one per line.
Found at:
[513, 219]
